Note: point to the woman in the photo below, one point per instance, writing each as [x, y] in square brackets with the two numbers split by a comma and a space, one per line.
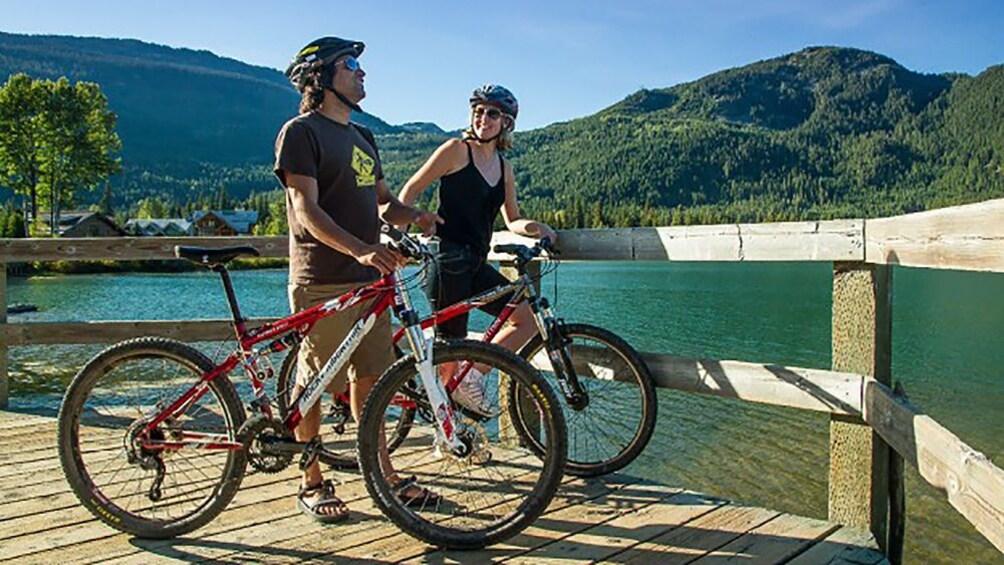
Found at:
[475, 183]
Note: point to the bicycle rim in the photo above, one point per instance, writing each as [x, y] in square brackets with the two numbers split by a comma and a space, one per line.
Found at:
[113, 476]
[488, 495]
[616, 425]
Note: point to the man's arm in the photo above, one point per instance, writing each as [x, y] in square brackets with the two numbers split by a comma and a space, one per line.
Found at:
[303, 198]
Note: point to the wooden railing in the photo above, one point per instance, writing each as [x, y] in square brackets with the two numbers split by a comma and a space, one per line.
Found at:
[867, 418]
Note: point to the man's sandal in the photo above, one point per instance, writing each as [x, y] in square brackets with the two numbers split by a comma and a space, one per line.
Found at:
[325, 499]
[420, 497]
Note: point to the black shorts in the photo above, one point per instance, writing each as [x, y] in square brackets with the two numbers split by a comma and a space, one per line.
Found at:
[458, 274]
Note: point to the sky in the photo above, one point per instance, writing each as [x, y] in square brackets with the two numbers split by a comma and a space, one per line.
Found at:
[563, 59]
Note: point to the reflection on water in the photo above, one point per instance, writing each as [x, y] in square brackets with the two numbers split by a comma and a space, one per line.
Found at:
[948, 351]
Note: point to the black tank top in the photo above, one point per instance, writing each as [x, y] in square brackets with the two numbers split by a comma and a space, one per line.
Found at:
[468, 206]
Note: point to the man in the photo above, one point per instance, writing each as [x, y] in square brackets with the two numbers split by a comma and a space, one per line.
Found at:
[334, 185]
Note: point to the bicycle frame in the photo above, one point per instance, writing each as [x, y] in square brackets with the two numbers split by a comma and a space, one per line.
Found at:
[386, 293]
[521, 288]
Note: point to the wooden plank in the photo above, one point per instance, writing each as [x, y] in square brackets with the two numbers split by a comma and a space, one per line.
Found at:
[846, 546]
[774, 542]
[273, 533]
[562, 519]
[40, 333]
[696, 538]
[622, 531]
[127, 248]
[969, 237]
[974, 485]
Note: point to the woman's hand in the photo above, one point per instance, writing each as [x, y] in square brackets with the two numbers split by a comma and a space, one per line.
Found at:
[427, 221]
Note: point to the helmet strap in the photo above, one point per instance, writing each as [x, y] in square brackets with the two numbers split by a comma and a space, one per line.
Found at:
[344, 100]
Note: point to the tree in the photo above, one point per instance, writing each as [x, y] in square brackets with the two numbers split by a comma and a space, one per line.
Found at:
[21, 103]
[55, 138]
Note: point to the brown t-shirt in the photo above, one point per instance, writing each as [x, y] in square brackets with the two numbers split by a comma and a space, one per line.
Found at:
[344, 160]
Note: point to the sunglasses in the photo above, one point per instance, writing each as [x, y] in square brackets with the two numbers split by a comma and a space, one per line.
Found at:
[351, 64]
[493, 113]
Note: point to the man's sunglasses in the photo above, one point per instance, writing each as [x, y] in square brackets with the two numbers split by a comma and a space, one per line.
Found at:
[493, 113]
[351, 64]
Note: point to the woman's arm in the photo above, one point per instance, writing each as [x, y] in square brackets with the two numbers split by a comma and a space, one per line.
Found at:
[513, 220]
[442, 162]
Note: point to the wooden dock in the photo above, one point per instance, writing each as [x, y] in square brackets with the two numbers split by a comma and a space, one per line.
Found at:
[615, 519]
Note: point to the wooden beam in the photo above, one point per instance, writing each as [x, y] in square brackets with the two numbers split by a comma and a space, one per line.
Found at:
[110, 332]
[967, 237]
[975, 486]
[126, 248]
[836, 240]
[792, 387]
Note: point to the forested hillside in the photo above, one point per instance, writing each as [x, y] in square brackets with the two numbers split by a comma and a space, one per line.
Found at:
[821, 133]
[825, 132]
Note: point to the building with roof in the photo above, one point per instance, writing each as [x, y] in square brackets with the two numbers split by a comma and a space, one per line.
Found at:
[223, 222]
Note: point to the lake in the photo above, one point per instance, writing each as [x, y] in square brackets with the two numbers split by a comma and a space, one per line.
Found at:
[948, 351]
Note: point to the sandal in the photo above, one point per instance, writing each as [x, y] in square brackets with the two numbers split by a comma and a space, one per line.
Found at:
[325, 499]
[424, 497]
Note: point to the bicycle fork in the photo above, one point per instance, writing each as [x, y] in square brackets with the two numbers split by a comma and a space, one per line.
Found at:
[421, 347]
[557, 352]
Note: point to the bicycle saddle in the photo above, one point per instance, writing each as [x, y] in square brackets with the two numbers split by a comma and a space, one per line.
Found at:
[211, 256]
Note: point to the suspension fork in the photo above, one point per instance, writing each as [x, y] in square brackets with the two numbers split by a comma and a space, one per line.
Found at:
[421, 348]
[557, 352]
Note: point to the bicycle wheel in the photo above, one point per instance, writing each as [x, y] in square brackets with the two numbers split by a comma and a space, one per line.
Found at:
[340, 445]
[616, 425]
[114, 476]
[493, 492]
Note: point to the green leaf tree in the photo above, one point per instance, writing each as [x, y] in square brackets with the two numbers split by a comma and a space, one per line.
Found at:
[55, 139]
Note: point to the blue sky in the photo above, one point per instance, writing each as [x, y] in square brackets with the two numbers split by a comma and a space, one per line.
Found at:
[563, 59]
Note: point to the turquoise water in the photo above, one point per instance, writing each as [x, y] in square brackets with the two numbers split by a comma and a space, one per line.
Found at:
[948, 335]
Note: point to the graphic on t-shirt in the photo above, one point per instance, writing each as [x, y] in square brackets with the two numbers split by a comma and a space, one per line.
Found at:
[364, 166]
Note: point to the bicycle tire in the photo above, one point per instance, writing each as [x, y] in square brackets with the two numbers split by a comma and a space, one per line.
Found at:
[492, 494]
[341, 453]
[93, 405]
[625, 387]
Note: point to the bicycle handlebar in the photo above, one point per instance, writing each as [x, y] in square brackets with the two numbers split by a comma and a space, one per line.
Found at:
[526, 253]
[405, 244]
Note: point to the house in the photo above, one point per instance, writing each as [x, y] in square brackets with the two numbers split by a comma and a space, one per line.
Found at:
[164, 227]
[88, 224]
[223, 222]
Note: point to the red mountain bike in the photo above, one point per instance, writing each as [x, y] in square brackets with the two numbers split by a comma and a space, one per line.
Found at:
[154, 441]
[610, 400]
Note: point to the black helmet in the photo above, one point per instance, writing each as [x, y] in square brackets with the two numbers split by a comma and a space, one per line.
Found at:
[319, 53]
[498, 96]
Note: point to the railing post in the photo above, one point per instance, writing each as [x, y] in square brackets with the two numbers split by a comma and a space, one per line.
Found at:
[506, 430]
[4, 384]
[862, 343]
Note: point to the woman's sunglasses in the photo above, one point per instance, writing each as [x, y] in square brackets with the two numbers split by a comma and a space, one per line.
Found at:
[493, 113]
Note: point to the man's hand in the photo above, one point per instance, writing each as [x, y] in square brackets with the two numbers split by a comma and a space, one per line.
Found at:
[427, 221]
[379, 256]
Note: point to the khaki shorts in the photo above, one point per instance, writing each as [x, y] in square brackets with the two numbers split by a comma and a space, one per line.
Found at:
[374, 354]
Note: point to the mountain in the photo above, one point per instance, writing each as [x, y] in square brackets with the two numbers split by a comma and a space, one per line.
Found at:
[821, 133]
[824, 132]
[174, 105]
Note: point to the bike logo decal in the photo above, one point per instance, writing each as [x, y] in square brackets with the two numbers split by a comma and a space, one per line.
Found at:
[335, 363]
